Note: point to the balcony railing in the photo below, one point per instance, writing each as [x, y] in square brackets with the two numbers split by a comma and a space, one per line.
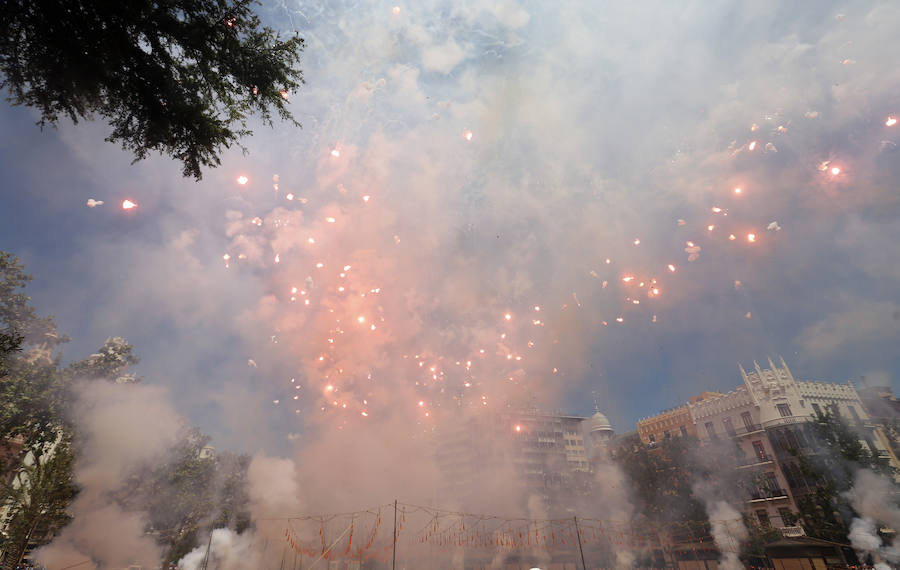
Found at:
[754, 460]
[744, 429]
[786, 420]
[767, 495]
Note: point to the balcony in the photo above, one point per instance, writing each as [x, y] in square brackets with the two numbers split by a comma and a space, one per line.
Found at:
[784, 421]
[763, 459]
[758, 495]
[744, 430]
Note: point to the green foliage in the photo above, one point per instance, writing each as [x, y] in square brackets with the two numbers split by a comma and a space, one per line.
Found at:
[31, 390]
[662, 478]
[825, 511]
[110, 362]
[39, 494]
[178, 77]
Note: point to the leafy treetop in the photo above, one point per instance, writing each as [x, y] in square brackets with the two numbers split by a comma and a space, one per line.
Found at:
[178, 77]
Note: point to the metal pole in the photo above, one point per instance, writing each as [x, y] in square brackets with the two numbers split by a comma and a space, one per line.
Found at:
[205, 564]
[394, 555]
[580, 549]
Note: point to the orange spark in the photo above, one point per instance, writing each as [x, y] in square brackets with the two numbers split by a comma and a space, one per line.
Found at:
[507, 316]
[751, 146]
[891, 121]
[366, 198]
[335, 152]
[738, 190]
[128, 205]
[835, 171]
[242, 180]
[710, 227]
[467, 135]
[751, 238]
[671, 268]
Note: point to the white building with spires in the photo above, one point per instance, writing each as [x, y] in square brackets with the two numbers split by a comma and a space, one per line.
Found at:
[765, 418]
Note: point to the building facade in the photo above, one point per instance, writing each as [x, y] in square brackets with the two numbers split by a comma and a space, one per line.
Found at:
[765, 419]
[675, 422]
[544, 453]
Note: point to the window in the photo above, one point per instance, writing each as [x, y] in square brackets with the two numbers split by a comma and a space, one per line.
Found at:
[748, 420]
[787, 518]
[652, 439]
[667, 435]
[784, 410]
[729, 429]
[683, 431]
[710, 430]
[759, 450]
[763, 517]
[772, 483]
[817, 409]
[853, 413]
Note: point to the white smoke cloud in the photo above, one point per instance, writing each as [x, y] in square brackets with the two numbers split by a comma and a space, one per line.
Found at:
[872, 496]
[728, 531]
[226, 550]
[121, 429]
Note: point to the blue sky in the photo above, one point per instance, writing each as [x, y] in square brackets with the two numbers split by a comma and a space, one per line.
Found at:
[590, 129]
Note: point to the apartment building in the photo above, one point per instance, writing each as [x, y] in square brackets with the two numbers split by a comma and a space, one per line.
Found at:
[766, 419]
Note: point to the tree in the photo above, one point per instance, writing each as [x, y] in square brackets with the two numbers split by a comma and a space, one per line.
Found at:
[39, 495]
[178, 77]
[829, 472]
[110, 363]
[31, 391]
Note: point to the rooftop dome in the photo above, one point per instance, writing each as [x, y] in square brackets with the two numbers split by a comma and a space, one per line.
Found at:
[599, 422]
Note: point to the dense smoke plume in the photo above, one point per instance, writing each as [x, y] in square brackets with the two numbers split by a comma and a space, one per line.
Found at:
[728, 531]
[122, 429]
[873, 497]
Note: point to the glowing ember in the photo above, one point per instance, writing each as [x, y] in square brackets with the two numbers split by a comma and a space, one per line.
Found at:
[320, 265]
[751, 238]
[335, 152]
[637, 241]
[628, 279]
[396, 10]
[366, 198]
[671, 268]
[716, 209]
[330, 220]
[731, 237]
[891, 121]
[710, 228]
[361, 319]
[518, 428]
[751, 146]
[289, 196]
[467, 135]
[835, 170]
[277, 258]
[507, 316]
[128, 205]
[738, 190]
[242, 180]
